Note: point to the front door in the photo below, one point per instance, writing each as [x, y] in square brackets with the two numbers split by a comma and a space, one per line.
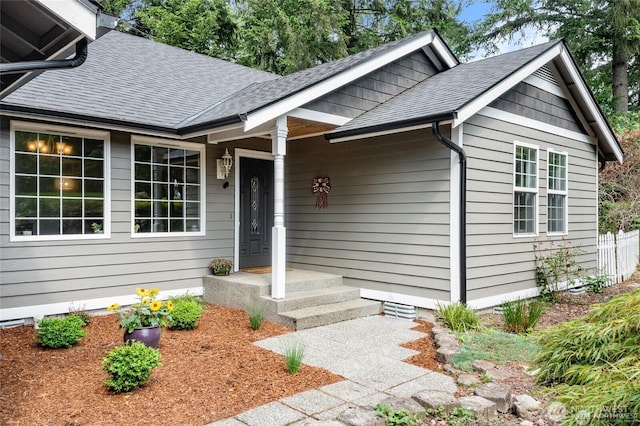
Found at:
[256, 212]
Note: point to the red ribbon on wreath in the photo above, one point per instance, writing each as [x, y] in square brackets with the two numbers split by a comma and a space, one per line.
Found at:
[321, 188]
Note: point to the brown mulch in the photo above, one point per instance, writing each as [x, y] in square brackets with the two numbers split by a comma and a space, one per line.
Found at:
[427, 356]
[207, 374]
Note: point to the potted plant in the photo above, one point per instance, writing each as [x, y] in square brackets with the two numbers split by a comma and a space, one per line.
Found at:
[220, 266]
[142, 321]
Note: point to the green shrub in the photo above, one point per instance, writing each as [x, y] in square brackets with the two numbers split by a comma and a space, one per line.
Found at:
[593, 360]
[556, 265]
[597, 282]
[186, 312]
[458, 317]
[399, 417]
[256, 316]
[293, 354]
[130, 366]
[60, 332]
[521, 316]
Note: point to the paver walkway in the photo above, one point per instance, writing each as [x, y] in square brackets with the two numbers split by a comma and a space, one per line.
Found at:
[366, 352]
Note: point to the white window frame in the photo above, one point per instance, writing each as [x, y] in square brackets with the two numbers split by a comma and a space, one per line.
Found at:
[565, 193]
[166, 143]
[63, 131]
[534, 191]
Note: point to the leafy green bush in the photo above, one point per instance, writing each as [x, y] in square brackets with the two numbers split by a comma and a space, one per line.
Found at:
[130, 366]
[593, 360]
[186, 312]
[256, 316]
[521, 316]
[598, 282]
[60, 332]
[399, 417]
[293, 354]
[458, 317]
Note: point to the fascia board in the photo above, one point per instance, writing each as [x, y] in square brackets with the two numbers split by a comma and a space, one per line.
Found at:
[289, 103]
[76, 13]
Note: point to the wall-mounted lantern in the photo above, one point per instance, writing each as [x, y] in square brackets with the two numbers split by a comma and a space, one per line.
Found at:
[224, 164]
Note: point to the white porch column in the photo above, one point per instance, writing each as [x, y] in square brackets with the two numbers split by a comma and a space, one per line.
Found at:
[279, 232]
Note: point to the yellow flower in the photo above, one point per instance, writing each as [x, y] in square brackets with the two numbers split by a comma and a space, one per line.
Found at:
[141, 292]
[169, 305]
[113, 307]
[153, 292]
[146, 299]
[155, 305]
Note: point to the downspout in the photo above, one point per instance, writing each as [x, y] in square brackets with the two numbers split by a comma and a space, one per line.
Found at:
[462, 157]
[77, 60]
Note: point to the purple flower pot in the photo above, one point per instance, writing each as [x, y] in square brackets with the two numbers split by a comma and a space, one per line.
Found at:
[150, 335]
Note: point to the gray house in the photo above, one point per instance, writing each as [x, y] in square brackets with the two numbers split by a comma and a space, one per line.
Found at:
[415, 178]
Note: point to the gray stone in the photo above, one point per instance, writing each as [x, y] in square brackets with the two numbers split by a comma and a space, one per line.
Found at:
[402, 404]
[445, 353]
[526, 406]
[481, 407]
[435, 399]
[311, 402]
[356, 416]
[451, 369]
[500, 394]
[526, 423]
[498, 373]
[272, 414]
[468, 380]
[481, 366]
[556, 411]
[446, 339]
[435, 330]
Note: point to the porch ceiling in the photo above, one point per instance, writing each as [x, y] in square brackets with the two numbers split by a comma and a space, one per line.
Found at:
[299, 128]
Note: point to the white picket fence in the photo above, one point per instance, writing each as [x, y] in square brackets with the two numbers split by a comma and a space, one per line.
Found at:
[619, 255]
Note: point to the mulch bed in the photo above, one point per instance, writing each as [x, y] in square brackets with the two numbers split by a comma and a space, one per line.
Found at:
[207, 374]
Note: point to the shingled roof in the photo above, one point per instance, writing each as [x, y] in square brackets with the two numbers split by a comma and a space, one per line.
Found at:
[443, 94]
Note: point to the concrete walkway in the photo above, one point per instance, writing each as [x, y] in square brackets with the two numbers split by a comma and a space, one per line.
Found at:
[366, 352]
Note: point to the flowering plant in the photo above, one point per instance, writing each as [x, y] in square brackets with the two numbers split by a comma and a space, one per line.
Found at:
[147, 312]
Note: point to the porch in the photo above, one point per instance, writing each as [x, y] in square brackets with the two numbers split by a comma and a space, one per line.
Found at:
[312, 298]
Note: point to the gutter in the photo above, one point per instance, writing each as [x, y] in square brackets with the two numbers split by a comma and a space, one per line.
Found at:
[462, 157]
[26, 66]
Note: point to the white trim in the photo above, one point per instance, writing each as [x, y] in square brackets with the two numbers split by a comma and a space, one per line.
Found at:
[241, 153]
[289, 103]
[534, 124]
[557, 192]
[404, 299]
[62, 131]
[386, 132]
[590, 103]
[454, 215]
[233, 132]
[40, 311]
[535, 190]
[545, 85]
[441, 47]
[74, 12]
[487, 97]
[318, 116]
[168, 143]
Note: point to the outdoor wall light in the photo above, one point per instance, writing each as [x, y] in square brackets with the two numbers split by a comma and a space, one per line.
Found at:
[224, 164]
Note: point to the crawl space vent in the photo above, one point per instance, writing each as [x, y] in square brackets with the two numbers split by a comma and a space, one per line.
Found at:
[397, 310]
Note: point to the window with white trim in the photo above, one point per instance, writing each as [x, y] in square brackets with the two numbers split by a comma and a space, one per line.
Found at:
[59, 182]
[168, 182]
[525, 190]
[557, 192]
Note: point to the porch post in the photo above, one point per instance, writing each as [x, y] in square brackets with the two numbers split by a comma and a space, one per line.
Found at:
[279, 232]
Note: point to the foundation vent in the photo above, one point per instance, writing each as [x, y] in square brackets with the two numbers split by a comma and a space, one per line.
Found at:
[397, 310]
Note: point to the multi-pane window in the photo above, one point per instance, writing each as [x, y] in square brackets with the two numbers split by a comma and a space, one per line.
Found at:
[168, 188]
[557, 193]
[59, 183]
[525, 190]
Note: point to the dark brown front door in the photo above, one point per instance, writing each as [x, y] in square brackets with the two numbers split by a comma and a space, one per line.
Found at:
[256, 212]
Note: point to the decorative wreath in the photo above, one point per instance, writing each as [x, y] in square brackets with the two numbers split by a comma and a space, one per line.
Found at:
[321, 188]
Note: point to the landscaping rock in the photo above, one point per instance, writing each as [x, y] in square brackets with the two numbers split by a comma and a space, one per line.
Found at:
[356, 416]
[468, 380]
[498, 373]
[445, 353]
[446, 339]
[481, 407]
[526, 406]
[435, 330]
[556, 411]
[481, 366]
[451, 369]
[497, 393]
[434, 399]
[526, 423]
[403, 404]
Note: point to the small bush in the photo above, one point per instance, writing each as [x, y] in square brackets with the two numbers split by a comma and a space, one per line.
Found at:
[130, 366]
[293, 354]
[521, 316]
[458, 317]
[399, 417]
[593, 360]
[186, 312]
[81, 313]
[598, 282]
[256, 316]
[60, 332]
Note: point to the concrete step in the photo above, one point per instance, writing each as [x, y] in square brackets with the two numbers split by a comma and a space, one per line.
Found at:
[301, 280]
[315, 316]
[318, 296]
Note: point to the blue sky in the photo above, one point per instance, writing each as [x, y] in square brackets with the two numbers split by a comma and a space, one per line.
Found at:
[475, 11]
